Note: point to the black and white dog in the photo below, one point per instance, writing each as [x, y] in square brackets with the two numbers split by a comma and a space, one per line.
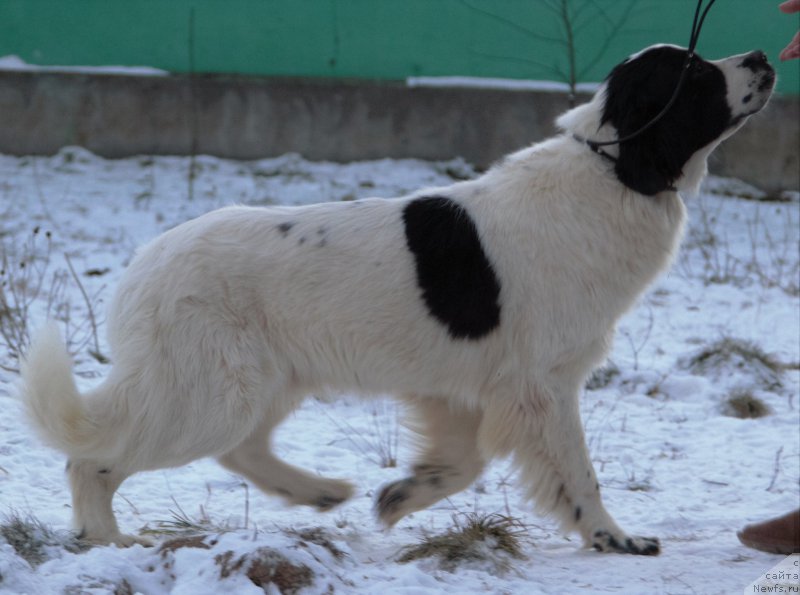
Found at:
[483, 306]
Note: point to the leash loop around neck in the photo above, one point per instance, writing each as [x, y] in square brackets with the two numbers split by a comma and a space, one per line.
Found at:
[595, 146]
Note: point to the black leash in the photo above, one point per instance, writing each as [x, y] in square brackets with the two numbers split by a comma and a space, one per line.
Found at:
[697, 25]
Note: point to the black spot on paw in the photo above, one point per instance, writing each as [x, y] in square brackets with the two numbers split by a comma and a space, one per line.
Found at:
[642, 546]
[459, 285]
[629, 544]
[432, 478]
[647, 546]
[607, 542]
[326, 502]
[433, 475]
[104, 471]
[578, 513]
[391, 500]
[393, 495]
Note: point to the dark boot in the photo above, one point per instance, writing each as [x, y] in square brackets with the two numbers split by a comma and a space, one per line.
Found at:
[780, 535]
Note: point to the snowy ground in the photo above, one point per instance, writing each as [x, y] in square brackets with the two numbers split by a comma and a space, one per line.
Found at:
[671, 462]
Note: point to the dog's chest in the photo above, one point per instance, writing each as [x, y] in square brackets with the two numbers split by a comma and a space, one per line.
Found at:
[584, 267]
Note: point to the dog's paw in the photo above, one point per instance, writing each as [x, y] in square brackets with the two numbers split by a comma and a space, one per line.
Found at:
[604, 541]
[390, 504]
[129, 540]
[119, 540]
[322, 494]
[331, 493]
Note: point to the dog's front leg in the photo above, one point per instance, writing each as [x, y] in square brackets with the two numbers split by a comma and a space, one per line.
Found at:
[544, 433]
[577, 501]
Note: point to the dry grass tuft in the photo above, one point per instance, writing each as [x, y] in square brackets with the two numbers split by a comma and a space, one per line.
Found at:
[317, 536]
[745, 405]
[124, 588]
[489, 538]
[30, 538]
[719, 359]
[182, 525]
[188, 541]
[266, 566]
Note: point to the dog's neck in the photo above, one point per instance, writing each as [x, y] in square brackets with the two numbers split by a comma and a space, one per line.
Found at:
[600, 150]
[594, 147]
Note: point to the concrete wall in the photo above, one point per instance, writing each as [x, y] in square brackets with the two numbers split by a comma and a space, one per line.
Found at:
[248, 118]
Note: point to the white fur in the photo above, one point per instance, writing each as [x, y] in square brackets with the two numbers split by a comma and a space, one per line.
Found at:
[224, 324]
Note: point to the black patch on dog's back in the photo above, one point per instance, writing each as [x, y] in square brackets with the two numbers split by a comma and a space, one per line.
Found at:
[459, 285]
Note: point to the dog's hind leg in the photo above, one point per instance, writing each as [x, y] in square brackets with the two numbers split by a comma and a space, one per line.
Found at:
[93, 485]
[448, 462]
[253, 459]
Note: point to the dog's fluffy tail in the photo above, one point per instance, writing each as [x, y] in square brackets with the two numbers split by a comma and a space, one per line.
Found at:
[58, 411]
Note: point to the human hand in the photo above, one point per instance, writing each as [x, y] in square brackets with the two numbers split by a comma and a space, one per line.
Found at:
[792, 50]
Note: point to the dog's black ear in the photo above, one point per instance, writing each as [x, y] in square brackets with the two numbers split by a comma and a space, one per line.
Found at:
[651, 162]
[637, 90]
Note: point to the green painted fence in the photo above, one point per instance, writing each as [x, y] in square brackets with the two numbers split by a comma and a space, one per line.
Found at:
[383, 39]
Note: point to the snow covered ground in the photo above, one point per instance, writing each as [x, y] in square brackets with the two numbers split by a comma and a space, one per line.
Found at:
[672, 461]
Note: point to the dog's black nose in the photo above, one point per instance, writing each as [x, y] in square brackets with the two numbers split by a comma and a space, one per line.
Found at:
[755, 60]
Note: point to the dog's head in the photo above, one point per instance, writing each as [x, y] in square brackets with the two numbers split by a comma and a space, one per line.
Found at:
[715, 100]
